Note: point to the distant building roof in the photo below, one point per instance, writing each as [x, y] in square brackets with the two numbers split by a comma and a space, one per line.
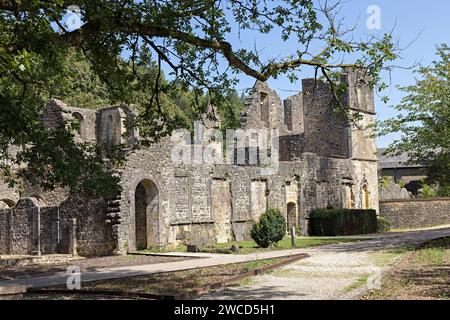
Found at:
[400, 161]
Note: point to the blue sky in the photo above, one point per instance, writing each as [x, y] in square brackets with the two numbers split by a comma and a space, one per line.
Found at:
[427, 23]
[420, 25]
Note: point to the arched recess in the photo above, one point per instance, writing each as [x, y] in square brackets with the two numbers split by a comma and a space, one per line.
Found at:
[7, 203]
[365, 197]
[146, 203]
[292, 216]
[111, 130]
[80, 121]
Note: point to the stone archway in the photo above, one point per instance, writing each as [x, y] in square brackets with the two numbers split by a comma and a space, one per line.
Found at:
[291, 216]
[146, 214]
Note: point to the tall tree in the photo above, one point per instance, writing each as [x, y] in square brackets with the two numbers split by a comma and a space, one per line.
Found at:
[189, 37]
[424, 120]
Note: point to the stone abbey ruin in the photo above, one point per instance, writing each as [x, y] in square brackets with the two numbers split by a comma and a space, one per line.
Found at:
[325, 160]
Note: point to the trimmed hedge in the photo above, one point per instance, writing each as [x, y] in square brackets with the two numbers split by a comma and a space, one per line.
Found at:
[341, 222]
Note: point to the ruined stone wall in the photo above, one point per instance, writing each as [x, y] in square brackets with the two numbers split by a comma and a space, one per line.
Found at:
[293, 113]
[366, 173]
[47, 198]
[30, 226]
[393, 191]
[204, 204]
[5, 230]
[417, 212]
[57, 111]
[263, 109]
[324, 163]
[152, 163]
[93, 235]
[325, 129]
[23, 226]
[291, 147]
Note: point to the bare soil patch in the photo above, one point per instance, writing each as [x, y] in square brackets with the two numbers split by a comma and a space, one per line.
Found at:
[88, 264]
[169, 283]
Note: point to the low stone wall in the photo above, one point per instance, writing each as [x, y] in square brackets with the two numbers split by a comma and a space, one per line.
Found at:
[77, 226]
[417, 212]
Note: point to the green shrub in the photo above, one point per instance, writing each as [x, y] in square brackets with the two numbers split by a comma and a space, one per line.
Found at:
[383, 224]
[427, 191]
[336, 222]
[270, 229]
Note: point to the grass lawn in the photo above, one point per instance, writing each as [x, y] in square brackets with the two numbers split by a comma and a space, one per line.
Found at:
[251, 246]
[423, 274]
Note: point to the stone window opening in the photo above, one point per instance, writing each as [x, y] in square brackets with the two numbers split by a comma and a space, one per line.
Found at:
[264, 102]
[291, 217]
[79, 120]
[349, 196]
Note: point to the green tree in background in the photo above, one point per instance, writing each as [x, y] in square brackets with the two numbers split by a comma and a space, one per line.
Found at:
[126, 43]
[424, 121]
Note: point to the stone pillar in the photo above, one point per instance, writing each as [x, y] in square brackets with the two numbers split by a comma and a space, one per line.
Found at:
[56, 235]
[10, 230]
[36, 218]
[73, 236]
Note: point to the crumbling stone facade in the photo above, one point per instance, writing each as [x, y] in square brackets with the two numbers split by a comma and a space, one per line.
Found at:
[325, 160]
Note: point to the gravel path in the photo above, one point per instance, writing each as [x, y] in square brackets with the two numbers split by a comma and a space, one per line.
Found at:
[340, 271]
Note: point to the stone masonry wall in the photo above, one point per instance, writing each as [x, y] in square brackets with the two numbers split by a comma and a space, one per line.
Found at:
[4, 230]
[416, 213]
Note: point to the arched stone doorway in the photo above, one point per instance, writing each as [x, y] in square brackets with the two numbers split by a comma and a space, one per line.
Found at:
[146, 215]
[291, 216]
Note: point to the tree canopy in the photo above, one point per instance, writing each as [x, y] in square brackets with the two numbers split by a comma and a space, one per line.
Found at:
[424, 120]
[126, 43]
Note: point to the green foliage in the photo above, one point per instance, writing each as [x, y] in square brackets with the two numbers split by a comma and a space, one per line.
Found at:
[402, 183]
[427, 191]
[119, 53]
[385, 181]
[383, 224]
[424, 120]
[334, 222]
[270, 229]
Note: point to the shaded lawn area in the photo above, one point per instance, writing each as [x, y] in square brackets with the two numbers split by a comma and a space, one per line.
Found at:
[251, 246]
[423, 275]
[168, 283]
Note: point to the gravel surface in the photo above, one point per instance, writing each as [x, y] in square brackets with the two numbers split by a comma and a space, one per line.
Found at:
[342, 271]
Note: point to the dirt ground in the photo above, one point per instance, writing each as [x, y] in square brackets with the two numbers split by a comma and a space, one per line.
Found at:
[424, 274]
[169, 283]
[88, 264]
